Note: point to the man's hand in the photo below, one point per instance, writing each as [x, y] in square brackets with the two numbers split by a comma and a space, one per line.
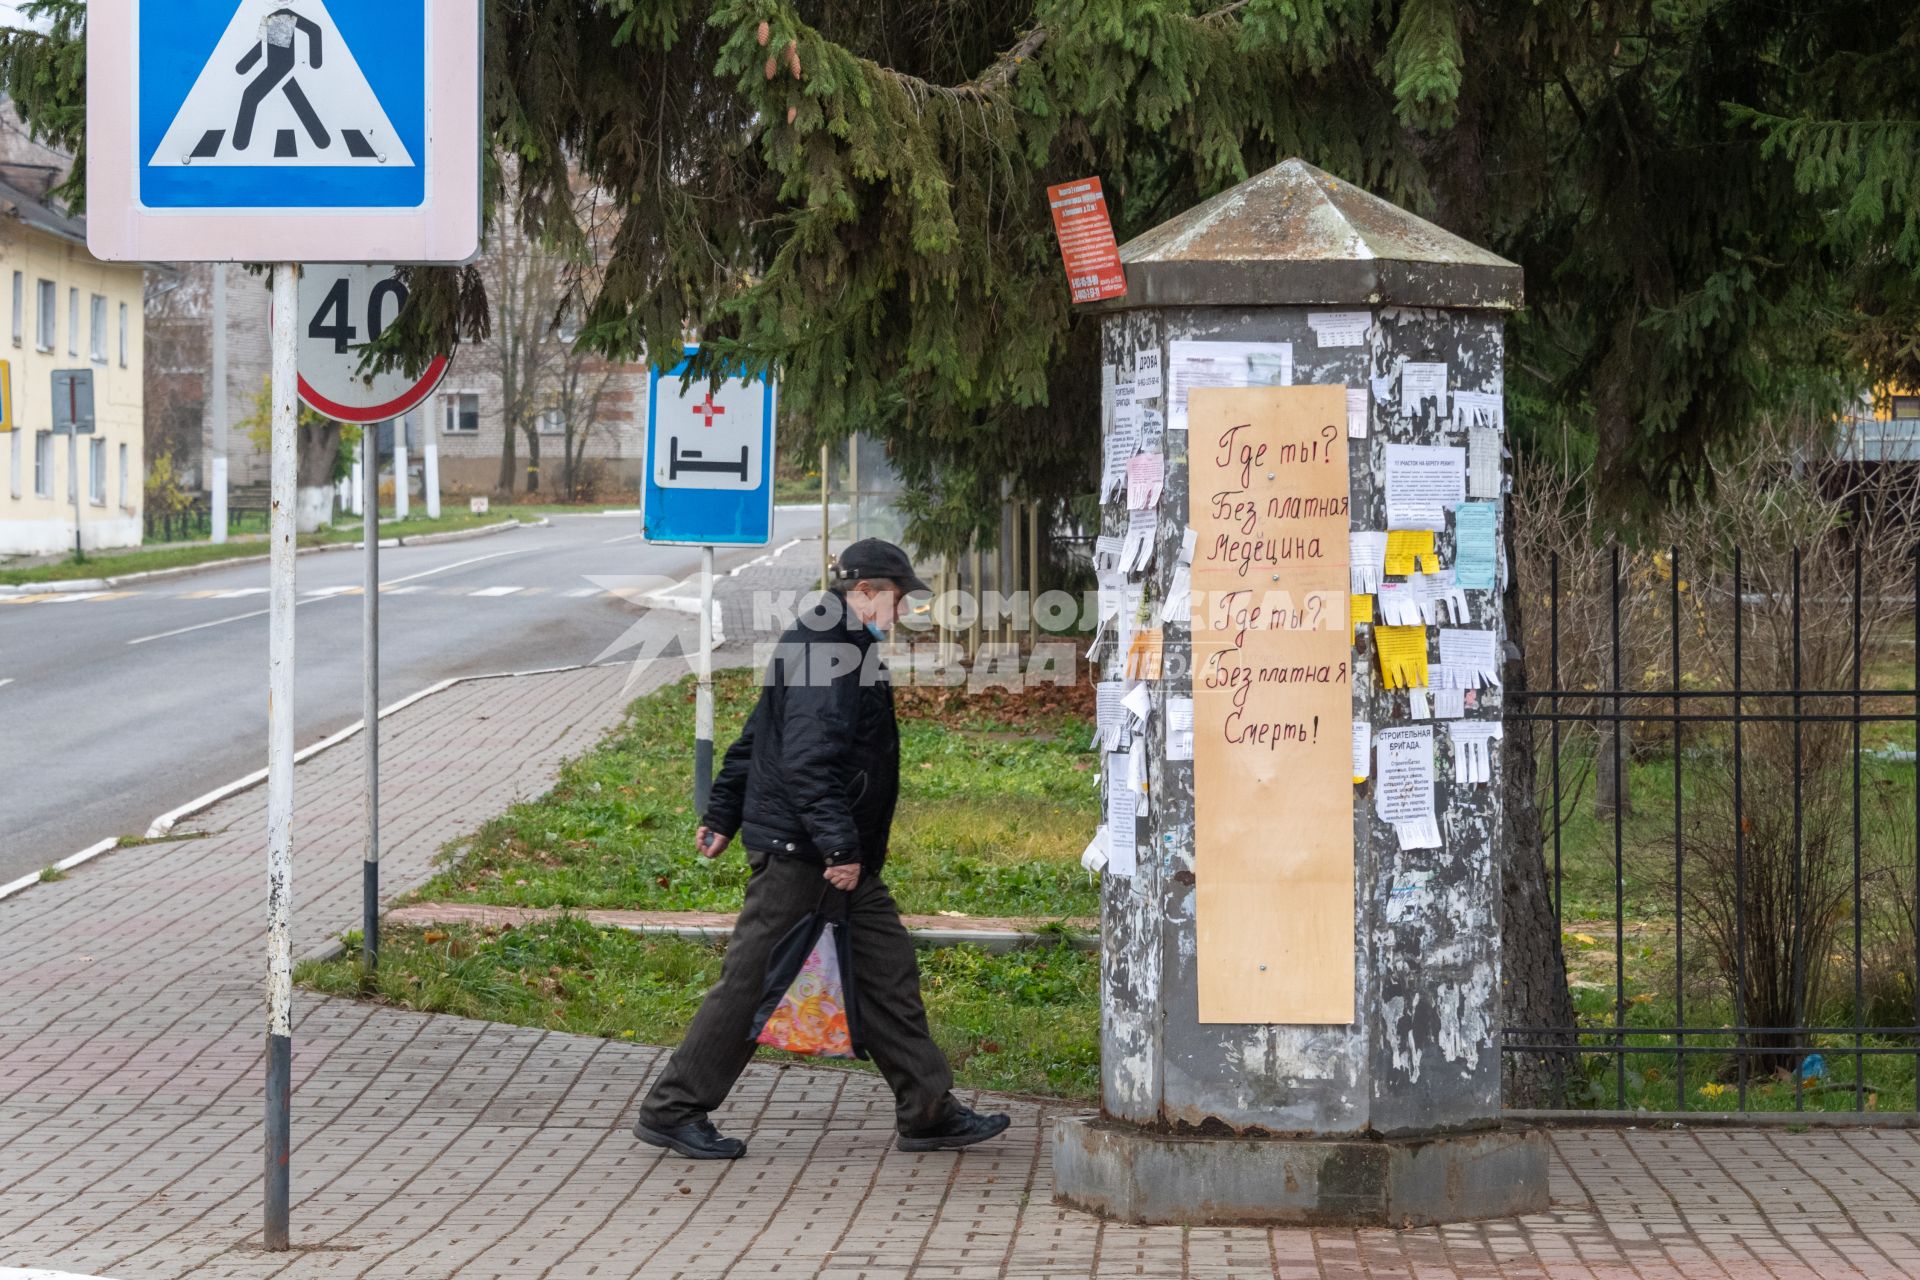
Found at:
[844, 877]
[711, 843]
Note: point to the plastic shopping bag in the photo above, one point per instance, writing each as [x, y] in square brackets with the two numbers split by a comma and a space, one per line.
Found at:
[811, 1016]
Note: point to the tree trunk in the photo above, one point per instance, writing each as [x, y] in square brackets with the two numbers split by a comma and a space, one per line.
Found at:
[533, 460]
[1603, 771]
[1533, 966]
[509, 463]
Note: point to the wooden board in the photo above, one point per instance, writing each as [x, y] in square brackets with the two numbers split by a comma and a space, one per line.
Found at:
[1273, 705]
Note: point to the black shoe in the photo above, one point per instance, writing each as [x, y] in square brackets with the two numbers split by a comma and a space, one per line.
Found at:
[961, 1129]
[697, 1140]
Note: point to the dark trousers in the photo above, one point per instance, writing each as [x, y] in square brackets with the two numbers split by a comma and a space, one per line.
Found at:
[893, 1023]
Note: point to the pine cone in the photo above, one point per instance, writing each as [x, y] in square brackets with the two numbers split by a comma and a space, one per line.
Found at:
[791, 113]
[772, 67]
[793, 58]
[765, 33]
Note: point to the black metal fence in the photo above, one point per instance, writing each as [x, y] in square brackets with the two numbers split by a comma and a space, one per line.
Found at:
[1726, 788]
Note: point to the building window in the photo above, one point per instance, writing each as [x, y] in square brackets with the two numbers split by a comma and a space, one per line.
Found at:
[123, 478]
[43, 336]
[1906, 408]
[73, 322]
[553, 422]
[43, 464]
[463, 414]
[19, 307]
[123, 335]
[97, 330]
[97, 472]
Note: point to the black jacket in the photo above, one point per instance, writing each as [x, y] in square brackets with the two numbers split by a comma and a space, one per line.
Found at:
[816, 771]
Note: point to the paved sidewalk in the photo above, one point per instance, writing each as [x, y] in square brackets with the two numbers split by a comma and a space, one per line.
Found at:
[130, 1106]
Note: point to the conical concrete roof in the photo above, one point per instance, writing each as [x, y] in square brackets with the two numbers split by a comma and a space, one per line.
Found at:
[1298, 235]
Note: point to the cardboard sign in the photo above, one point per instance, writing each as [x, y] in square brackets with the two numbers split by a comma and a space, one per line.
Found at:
[1273, 705]
[1086, 240]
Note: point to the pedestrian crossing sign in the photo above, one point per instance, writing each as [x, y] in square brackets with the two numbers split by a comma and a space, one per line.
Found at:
[284, 130]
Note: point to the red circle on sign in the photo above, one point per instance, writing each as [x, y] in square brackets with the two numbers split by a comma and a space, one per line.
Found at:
[405, 403]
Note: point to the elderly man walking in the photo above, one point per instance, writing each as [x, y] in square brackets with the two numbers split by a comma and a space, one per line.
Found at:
[809, 788]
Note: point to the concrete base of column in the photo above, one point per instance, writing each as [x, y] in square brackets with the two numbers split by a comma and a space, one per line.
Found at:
[1136, 1175]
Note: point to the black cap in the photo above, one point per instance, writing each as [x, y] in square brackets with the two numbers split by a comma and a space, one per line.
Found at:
[873, 558]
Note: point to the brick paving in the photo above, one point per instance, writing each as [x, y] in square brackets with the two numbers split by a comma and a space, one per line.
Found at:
[130, 1107]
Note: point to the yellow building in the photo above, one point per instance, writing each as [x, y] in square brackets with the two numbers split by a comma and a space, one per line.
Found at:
[67, 310]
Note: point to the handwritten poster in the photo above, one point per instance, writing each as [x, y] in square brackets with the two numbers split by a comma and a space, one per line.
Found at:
[1273, 711]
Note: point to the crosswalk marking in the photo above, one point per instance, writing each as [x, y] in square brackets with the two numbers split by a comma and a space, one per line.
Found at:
[235, 594]
[494, 591]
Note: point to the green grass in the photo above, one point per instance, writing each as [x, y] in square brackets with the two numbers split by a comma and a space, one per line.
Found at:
[112, 564]
[991, 822]
[1024, 1022]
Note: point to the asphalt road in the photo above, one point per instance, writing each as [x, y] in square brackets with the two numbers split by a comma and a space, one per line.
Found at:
[117, 707]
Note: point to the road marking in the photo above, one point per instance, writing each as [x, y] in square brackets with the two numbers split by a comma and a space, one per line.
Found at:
[6, 682]
[74, 597]
[457, 564]
[218, 622]
[114, 595]
[494, 591]
[235, 594]
[321, 593]
[625, 537]
[27, 599]
[581, 593]
[402, 591]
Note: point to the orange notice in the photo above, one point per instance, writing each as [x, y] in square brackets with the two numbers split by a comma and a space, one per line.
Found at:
[1086, 240]
[1273, 705]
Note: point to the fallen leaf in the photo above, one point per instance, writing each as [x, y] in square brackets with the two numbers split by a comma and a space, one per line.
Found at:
[434, 935]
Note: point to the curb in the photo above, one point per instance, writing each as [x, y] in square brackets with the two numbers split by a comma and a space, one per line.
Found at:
[181, 571]
[65, 864]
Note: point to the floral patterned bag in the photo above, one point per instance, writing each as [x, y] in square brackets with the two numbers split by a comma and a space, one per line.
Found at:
[812, 1016]
[807, 1005]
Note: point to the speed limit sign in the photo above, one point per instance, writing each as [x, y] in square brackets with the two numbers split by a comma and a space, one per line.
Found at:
[342, 309]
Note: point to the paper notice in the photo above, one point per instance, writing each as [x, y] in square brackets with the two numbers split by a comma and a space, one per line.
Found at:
[1449, 704]
[1480, 409]
[1147, 370]
[1120, 816]
[1403, 791]
[1340, 328]
[1483, 463]
[1122, 442]
[1422, 382]
[1410, 551]
[1106, 552]
[1359, 412]
[1146, 472]
[1146, 655]
[1094, 857]
[1138, 702]
[1362, 749]
[1423, 480]
[1136, 550]
[1359, 614]
[1473, 651]
[1108, 713]
[1417, 705]
[1473, 750]
[1400, 605]
[1179, 728]
[1436, 592]
[1188, 541]
[1178, 606]
[1403, 656]
[1367, 554]
[1223, 364]
[1474, 545]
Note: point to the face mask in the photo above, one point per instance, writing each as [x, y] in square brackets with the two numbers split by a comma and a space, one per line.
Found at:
[874, 630]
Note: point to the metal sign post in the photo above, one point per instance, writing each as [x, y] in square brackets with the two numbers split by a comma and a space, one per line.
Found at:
[280, 601]
[73, 418]
[703, 692]
[709, 480]
[370, 701]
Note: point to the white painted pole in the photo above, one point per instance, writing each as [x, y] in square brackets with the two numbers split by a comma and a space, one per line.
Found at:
[217, 479]
[703, 695]
[402, 486]
[430, 454]
[280, 602]
[73, 481]
[370, 710]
